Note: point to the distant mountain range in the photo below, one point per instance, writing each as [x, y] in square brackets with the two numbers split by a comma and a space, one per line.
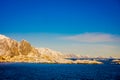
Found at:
[14, 51]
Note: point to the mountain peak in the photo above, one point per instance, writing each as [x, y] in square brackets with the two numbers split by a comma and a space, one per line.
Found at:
[3, 37]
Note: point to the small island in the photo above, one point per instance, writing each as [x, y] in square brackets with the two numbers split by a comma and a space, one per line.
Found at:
[116, 61]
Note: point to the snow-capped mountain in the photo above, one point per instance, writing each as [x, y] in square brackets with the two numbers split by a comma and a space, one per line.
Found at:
[11, 48]
[14, 51]
[3, 37]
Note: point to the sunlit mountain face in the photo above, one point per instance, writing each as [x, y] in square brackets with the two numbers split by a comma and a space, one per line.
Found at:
[13, 51]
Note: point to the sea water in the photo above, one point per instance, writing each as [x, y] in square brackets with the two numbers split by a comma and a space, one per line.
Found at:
[32, 71]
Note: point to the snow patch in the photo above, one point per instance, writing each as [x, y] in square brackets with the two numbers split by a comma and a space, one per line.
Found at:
[3, 37]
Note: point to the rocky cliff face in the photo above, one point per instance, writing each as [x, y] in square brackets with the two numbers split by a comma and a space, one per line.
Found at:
[26, 49]
[8, 47]
[13, 51]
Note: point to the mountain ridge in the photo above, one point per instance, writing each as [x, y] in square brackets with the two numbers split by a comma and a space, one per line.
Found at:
[14, 51]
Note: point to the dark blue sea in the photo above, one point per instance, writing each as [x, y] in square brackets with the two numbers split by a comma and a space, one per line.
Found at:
[32, 71]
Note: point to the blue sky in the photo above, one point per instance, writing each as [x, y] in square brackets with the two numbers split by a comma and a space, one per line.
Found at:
[59, 24]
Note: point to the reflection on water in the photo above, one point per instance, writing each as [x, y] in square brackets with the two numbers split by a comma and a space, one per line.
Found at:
[25, 71]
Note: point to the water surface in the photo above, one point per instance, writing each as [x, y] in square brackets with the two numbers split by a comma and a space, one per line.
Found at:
[29, 71]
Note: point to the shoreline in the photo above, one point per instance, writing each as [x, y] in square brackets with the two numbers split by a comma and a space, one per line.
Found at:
[48, 63]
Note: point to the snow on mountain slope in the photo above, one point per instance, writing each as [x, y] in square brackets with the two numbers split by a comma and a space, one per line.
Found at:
[3, 37]
[13, 51]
